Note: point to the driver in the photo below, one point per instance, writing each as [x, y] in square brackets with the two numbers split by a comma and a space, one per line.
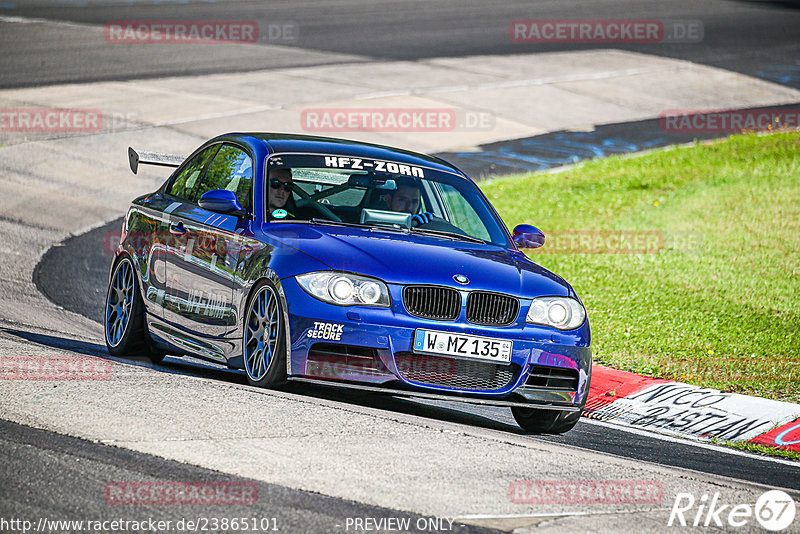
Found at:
[406, 198]
[280, 191]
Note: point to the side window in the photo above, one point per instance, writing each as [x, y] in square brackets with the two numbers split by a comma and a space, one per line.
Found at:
[231, 169]
[187, 178]
[461, 213]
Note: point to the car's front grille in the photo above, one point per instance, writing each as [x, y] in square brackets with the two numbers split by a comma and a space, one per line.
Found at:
[555, 378]
[491, 309]
[455, 373]
[432, 302]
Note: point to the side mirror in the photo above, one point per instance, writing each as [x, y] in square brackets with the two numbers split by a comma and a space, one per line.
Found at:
[222, 201]
[527, 236]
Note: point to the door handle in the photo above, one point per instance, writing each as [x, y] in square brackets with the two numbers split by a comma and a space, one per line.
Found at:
[177, 229]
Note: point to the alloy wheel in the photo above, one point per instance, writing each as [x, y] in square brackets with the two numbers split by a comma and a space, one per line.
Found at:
[261, 333]
[119, 303]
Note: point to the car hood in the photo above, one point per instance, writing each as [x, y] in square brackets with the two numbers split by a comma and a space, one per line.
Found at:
[402, 258]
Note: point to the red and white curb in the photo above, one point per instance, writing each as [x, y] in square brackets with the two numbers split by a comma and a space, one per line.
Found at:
[684, 410]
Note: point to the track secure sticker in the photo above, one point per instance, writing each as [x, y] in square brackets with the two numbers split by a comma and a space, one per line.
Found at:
[280, 214]
[331, 331]
[374, 165]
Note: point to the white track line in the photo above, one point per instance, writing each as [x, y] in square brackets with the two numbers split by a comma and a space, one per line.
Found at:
[220, 115]
[517, 83]
[31, 20]
[556, 514]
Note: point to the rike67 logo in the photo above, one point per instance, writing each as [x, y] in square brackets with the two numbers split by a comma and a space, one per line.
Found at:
[774, 510]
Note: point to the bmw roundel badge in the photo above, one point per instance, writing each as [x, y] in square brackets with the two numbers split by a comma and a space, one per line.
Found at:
[461, 279]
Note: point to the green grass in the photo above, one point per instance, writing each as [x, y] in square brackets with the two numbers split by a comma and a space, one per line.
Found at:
[719, 304]
[763, 450]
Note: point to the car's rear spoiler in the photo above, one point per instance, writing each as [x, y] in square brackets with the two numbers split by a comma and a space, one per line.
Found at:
[152, 158]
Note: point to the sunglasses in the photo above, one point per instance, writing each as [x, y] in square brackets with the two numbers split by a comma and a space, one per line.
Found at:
[277, 184]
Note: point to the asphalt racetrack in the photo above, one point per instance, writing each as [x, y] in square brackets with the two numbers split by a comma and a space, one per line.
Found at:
[759, 38]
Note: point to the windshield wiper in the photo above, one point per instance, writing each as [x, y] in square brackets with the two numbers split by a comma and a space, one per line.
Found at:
[436, 233]
[450, 235]
[370, 227]
[316, 220]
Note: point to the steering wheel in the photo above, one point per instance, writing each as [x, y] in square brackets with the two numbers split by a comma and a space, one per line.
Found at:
[422, 219]
[326, 211]
[428, 221]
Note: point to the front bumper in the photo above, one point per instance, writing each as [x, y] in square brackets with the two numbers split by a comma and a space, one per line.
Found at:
[372, 347]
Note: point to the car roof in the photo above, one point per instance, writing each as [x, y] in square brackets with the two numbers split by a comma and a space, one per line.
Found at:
[309, 144]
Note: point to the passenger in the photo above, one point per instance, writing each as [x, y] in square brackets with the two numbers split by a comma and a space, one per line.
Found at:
[280, 194]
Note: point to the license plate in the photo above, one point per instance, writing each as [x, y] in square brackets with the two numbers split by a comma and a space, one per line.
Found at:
[474, 347]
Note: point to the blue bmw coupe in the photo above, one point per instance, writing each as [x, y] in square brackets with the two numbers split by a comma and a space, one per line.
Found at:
[351, 265]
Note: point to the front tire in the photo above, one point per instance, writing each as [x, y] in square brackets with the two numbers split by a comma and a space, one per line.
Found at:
[125, 331]
[264, 344]
[539, 421]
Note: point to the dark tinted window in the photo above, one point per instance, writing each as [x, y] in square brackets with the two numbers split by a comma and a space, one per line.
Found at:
[188, 177]
[231, 169]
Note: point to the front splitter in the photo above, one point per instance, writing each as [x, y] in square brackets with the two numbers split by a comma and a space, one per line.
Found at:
[435, 396]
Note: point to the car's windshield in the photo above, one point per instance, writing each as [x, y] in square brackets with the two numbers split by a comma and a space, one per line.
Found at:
[379, 194]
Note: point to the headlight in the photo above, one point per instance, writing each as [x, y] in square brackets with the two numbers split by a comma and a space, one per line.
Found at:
[345, 289]
[561, 312]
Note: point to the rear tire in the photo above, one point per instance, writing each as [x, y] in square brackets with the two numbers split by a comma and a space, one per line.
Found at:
[123, 324]
[540, 421]
[264, 342]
